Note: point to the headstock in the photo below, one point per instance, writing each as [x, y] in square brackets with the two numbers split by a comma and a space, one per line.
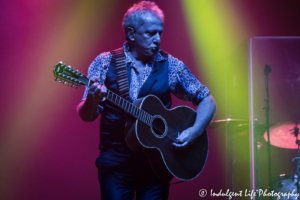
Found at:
[64, 74]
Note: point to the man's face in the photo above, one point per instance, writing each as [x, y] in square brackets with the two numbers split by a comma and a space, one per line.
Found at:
[148, 36]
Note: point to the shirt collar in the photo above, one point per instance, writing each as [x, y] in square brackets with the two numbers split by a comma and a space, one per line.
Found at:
[129, 59]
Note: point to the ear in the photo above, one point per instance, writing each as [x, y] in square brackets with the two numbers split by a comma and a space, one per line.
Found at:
[129, 33]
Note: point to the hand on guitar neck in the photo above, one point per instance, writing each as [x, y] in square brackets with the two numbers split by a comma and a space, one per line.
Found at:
[88, 109]
[96, 92]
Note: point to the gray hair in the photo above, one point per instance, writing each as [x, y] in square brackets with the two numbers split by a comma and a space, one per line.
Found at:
[135, 15]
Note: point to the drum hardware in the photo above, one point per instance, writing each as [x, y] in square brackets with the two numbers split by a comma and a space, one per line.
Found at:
[267, 70]
[287, 183]
[233, 126]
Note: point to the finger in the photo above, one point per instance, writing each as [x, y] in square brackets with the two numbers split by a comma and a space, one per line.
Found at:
[103, 91]
[180, 146]
[184, 136]
[93, 87]
[95, 79]
[97, 91]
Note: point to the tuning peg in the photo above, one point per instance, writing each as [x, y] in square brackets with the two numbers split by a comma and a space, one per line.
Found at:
[72, 85]
[65, 82]
[60, 81]
[60, 62]
[69, 66]
[56, 79]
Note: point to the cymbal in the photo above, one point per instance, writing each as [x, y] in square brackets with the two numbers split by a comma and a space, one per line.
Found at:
[282, 135]
[229, 120]
[241, 123]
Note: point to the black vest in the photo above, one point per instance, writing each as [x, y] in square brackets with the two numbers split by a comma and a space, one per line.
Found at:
[113, 120]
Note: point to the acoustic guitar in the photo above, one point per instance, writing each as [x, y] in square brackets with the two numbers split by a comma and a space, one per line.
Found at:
[152, 128]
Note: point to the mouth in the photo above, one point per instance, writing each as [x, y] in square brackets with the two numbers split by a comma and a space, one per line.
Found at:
[154, 49]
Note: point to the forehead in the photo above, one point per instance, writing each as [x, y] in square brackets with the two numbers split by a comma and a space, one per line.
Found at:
[151, 21]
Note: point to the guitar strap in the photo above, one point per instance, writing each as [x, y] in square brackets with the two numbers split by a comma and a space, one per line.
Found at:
[118, 60]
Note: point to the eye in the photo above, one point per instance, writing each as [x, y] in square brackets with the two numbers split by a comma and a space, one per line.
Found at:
[150, 33]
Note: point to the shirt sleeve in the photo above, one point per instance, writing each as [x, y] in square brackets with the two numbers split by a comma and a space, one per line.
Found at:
[98, 68]
[183, 83]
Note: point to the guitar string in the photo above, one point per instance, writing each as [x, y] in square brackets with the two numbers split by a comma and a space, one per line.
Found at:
[160, 128]
[170, 135]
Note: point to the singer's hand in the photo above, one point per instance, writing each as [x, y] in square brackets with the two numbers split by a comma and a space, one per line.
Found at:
[96, 92]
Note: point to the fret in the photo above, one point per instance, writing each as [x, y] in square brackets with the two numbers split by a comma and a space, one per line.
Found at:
[142, 114]
[118, 100]
[149, 119]
[146, 120]
[108, 95]
[113, 97]
[137, 112]
[122, 102]
[129, 107]
[134, 110]
[126, 105]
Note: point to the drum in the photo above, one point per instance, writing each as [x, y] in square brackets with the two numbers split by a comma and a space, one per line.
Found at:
[285, 184]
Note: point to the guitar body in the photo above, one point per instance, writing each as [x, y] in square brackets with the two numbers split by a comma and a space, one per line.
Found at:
[156, 140]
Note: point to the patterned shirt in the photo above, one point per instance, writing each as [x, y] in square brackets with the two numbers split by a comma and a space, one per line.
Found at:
[182, 82]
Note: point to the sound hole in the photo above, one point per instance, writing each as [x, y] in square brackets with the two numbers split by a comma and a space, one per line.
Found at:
[158, 126]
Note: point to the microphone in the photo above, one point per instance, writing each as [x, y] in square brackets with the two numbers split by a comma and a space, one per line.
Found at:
[267, 69]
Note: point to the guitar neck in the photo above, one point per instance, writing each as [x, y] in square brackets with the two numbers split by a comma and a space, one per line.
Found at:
[122, 103]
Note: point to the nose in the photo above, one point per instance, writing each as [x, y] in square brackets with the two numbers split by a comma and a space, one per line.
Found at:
[157, 38]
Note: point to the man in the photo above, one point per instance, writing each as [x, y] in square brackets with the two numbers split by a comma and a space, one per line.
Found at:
[122, 171]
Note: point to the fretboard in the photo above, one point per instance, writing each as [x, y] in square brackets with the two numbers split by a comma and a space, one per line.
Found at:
[122, 103]
[129, 107]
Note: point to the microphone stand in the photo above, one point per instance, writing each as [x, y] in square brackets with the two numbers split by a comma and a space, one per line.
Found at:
[267, 70]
